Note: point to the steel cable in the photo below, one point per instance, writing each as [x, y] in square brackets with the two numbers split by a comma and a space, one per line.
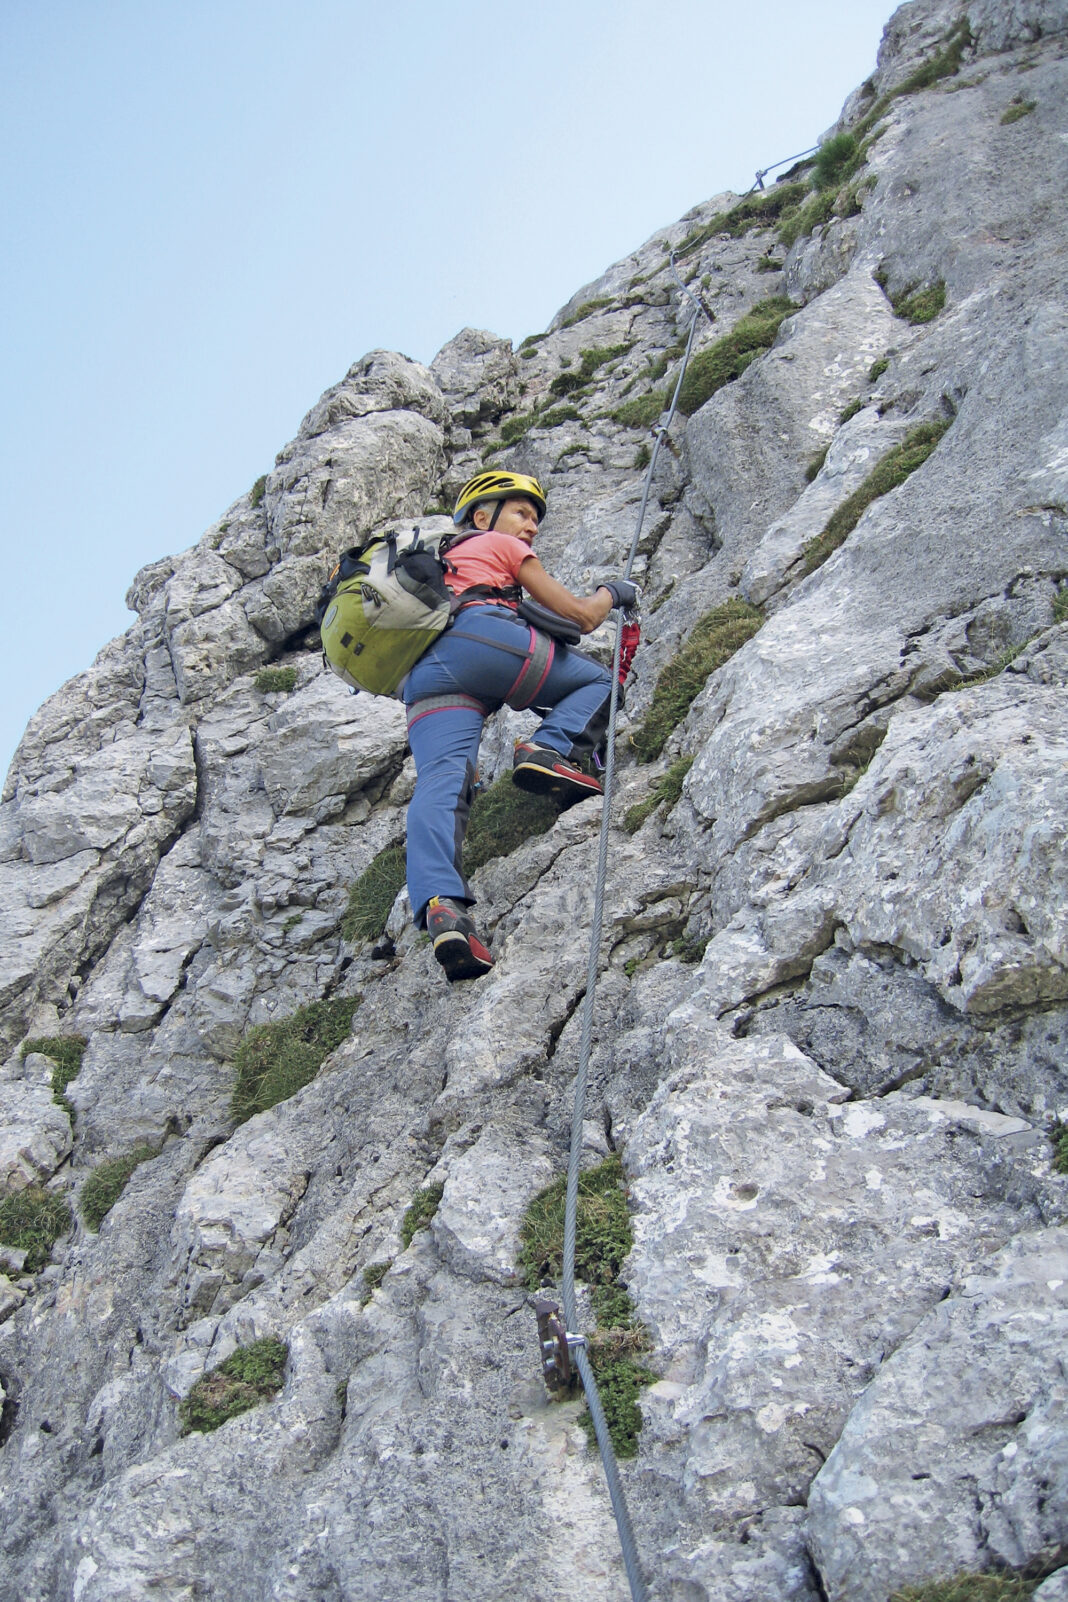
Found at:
[578, 1350]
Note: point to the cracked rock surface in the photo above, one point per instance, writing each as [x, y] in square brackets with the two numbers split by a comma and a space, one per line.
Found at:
[830, 1032]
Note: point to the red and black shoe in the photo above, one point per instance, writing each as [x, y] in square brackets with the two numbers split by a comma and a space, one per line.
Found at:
[545, 772]
[456, 945]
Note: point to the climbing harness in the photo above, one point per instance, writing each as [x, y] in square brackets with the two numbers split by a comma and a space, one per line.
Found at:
[562, 1350]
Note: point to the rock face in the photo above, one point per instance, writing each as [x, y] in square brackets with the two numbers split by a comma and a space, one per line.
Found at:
[831, 1026]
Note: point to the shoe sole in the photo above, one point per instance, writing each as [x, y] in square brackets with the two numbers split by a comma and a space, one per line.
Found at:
[460, 957]
[543, 781]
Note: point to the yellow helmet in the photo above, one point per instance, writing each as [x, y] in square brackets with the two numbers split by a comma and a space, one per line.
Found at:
[498, 487]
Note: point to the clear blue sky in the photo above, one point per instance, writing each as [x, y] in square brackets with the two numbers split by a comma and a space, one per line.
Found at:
[212, 209]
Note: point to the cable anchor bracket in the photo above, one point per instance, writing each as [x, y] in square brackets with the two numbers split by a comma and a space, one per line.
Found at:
[556, 1345]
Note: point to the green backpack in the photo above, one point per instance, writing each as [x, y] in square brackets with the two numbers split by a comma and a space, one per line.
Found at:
[385, 602]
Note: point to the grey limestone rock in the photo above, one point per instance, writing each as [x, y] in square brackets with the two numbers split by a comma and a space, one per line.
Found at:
[830, 1032]
[954, 1457]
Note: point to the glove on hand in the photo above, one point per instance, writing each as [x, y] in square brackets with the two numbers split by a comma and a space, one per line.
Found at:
[624, 594]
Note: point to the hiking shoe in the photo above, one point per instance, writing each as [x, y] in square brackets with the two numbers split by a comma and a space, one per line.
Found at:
[545, 772]
[456, 945]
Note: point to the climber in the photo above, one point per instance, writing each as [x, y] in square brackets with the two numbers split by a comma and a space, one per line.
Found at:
[488, 657]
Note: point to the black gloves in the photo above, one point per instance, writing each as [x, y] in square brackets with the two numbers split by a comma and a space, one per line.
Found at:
[624, 594]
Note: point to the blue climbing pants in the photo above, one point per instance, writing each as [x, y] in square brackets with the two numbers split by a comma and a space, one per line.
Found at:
[470, 671]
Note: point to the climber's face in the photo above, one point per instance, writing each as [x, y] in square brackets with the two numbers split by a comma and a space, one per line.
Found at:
[517, 516]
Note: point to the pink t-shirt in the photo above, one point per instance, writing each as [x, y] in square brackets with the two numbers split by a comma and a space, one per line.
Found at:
[489, 558]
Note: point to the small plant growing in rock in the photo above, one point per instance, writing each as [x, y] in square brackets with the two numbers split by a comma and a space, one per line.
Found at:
[502, 818]
[815, 466]
[424, 1206]
[371, 898]
[851, 410]
[66, 1053]
[642, 411]
[276, 1060]
[969, 1588]
[666, 791]
[877, 369]
[275, 680]
[258, 491]
[32, 1220]
[587, 309]
[1018, 107]
[893, 470]
[603, 1237]
[559, 414]
[107, 1182]
[642, 457]
[373, 1275]
[1059, 1135]
[714, 639]
[250, 1375]
[1060, 605]
[728, 357]
[916, 304]
[837, 158]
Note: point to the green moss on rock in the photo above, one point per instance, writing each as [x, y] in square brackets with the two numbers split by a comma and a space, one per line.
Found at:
[603, 1238]
[275, 680]
[502, 818]
[894, 469]
[107, 1182]
[713, 640]
[276, 1060]
[728, 357]
[66, 1053]
[372, 896]
[32, 1220]
[251, 1375]
[424, 1206]
[665, 792]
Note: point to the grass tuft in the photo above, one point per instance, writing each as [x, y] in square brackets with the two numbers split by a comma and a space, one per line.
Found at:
[714, 639]
[66, 1053]
[516, 427]
[1060, 605]
[894, 469]
[251, 1375]
[276, 1060]
[603, 1234]
[920, 305]
[603, 1237]
[107, 1182]
[851, 410]
[1018, 107]
[642, 411]
[273, 680]
[642, 458]
[587, 309]
[559, 414]
[424, 1206]
[502, 818]
[969, 1588]
[728, 357]
[373, 1275]
[371, 898]
[812, 471]
[1059, 1135]
[755, 211]
[32, 1221]
[799, 220]
[667, 789]
[258, 490]
[877, 369]
[837, 159]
